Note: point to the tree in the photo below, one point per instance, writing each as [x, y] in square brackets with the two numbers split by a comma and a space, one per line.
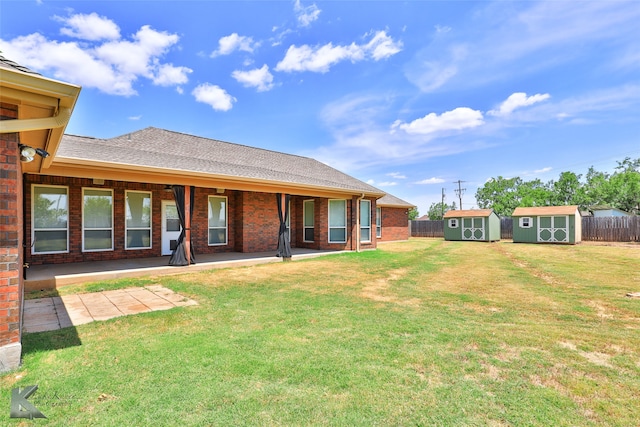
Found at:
[413, 214]
[499, 194]
[624, 186]
[566, 190]
[437, 210]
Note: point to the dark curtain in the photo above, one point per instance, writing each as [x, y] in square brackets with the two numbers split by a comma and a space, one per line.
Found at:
[179, 254]
[284, 247]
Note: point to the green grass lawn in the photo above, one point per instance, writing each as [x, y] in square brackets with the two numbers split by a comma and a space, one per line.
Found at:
[424, 332]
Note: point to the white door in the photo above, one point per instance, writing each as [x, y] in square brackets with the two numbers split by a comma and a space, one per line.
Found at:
[170, 226]
[473, 228]
[553, 229]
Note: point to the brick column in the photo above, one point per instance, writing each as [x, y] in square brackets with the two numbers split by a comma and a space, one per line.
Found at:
[11, 219]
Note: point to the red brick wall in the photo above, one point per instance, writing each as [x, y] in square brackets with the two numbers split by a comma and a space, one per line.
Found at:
[10, 233]
[252, 221]
[395, 224]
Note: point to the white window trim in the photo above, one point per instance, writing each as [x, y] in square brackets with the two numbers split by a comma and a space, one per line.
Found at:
[304, 217]
[150, 228]
[529, 221]
[329, 221]
[454, 223]
[100, 229]
[33, 220]
[226, 220]
[378, 222]
[362, 227]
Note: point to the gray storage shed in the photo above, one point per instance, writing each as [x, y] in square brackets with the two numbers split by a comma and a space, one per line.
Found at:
[548, 224]
[477, 224]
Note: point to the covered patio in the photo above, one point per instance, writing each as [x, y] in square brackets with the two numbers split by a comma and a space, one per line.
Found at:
[52, 276]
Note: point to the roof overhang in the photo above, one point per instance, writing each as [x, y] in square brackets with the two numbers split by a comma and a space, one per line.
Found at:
[71, 167]
[44, 110]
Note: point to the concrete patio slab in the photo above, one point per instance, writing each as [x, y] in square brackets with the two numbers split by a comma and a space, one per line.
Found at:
[51, 313]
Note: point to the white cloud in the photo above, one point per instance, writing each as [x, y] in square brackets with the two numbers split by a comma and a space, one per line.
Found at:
[260, 78]
[396, 175]
[89, 27]
[306, 15]
[135, 118]
[214, 96]
[433, 180]
[168, 75]
[319, 59]
[387, 184]
[231, 43]
[382, 46]
[517, 100]
[457, 119]
[543, 170]
[112, 66]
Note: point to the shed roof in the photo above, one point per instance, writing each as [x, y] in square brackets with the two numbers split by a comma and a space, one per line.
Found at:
[391, 201]
[174, 154]
[546, 210]
[469, 213]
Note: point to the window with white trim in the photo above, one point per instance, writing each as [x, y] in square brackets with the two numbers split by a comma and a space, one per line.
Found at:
[453, 223]
[525, 222]
[50, 219]
[308, 207]
[378, 222]
[365, 220]
[97, 219]
[218, 224]
[137, 220]
[337, 221]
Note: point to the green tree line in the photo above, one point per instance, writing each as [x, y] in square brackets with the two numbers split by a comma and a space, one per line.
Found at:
[620, 190]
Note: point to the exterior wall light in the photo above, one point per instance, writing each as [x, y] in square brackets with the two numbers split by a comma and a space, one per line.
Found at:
[28, 153]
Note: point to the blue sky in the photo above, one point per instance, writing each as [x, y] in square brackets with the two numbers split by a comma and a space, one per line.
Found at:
[408, 96]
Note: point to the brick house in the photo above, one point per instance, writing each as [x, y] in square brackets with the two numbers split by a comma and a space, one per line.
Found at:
[153, 192]
[392, 218]
[34, 113]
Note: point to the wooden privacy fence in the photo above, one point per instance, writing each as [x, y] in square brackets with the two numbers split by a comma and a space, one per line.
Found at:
[611, 229]
[603, 229]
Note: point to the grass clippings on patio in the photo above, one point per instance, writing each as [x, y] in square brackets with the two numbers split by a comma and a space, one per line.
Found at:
[424, 332]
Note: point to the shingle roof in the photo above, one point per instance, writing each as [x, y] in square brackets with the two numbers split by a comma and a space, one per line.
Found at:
[12, 65]
[389, 200]
[160, 148]
[469, 213]
[545, 210]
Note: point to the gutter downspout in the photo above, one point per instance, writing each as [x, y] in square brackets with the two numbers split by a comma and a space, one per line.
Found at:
[24, 125]
[358, 231]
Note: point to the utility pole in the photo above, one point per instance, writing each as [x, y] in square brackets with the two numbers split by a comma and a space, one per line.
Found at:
[442, 203]
[460, 191]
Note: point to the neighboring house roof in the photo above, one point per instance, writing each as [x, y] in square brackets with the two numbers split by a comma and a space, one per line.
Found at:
[469, 213]
[174, 155]
[391, 201]
[546, 210]
[423, 218]
[609, 208]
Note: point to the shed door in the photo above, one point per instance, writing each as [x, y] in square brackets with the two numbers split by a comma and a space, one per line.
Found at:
[553, 229]
[473, 229]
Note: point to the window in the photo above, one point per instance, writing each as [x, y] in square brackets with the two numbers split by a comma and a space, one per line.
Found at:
[217, 220]
[337, 221]
[308, 207]
[138, 220]
[453, 223]
[50, 219]
[525, 222]
[365, 220]
[378, 223]
[97, 220]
